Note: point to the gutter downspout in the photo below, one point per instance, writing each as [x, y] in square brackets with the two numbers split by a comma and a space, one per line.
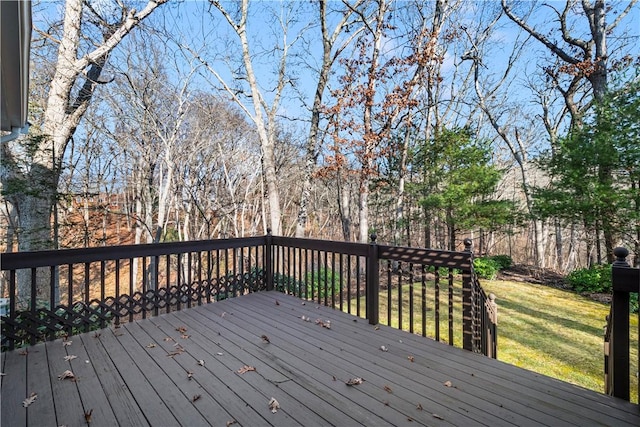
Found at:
[15, 132]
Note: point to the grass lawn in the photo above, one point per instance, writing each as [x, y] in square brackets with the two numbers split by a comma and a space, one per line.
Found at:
[543, 329]
[555, 332]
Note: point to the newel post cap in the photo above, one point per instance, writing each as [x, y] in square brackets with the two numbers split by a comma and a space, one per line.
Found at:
[621, 256]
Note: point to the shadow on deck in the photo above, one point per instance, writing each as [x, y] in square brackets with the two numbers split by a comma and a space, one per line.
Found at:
[185, 368]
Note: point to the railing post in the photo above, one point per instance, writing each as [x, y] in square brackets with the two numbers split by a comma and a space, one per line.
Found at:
[372, 283]
[468, 302]
[268, 260]
[619, 344]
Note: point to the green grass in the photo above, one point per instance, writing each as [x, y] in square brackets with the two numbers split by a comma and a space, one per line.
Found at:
[555, 333]
[431, 319]
[546, 330]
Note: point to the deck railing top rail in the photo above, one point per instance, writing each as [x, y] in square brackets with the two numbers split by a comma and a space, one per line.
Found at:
[35, 259]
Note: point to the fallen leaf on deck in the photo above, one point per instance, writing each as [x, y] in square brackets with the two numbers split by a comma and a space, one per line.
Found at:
[324, 324]
[201, 362]
[97, 335]
[87, 416]
[220, 354]
[376, 328]
[334, 377]
[440, 417]
[277, 303]
[189, 374]
[230, 423]
[419, 407]
[385, 403]
[246, 368]
[274, 405]
[168, 339]
[387, 389]
[223, 314]
[304, 303]
[151, 345]
[196, 398]
[384, 348]
[265, 338]
[354, 381]
[23, 352]
[306, 319]
[410, 358]
[66, 343]
[29, 400]
[175, 353]
[447, 384]
[66, 374]
[410, 419]
[70, 357]
[181, 329]
[185, 336]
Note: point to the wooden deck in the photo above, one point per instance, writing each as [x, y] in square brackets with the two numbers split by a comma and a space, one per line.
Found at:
[183, 369]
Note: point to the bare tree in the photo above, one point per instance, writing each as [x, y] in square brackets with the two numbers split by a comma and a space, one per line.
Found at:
[80, 61]
[329, 55]
[248, 91]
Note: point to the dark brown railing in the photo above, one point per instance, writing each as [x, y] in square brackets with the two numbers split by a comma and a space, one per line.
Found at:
[617, 359]
[88, 288]
[63, 292]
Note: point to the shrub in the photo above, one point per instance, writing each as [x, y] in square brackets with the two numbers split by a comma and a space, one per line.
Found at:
[633, 302]
[486, 268]
[319, 278]
[288, 284]
[594, 279]
[504, 261]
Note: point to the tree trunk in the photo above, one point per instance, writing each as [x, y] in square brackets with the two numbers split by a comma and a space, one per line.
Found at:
[62, 115]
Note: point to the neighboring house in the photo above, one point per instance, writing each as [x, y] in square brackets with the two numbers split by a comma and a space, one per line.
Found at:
[15, 39]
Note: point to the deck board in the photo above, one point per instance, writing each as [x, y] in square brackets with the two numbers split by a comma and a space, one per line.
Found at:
[14, 386]
[147, 373]
[91, 392]
[66, 398]
[37, 379]
[115, 387]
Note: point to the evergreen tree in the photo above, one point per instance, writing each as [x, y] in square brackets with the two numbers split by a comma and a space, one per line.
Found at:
[459, 183]
[595, 171]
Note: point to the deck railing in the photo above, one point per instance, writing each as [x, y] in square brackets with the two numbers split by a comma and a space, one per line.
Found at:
[400, 286]
[617, 359]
